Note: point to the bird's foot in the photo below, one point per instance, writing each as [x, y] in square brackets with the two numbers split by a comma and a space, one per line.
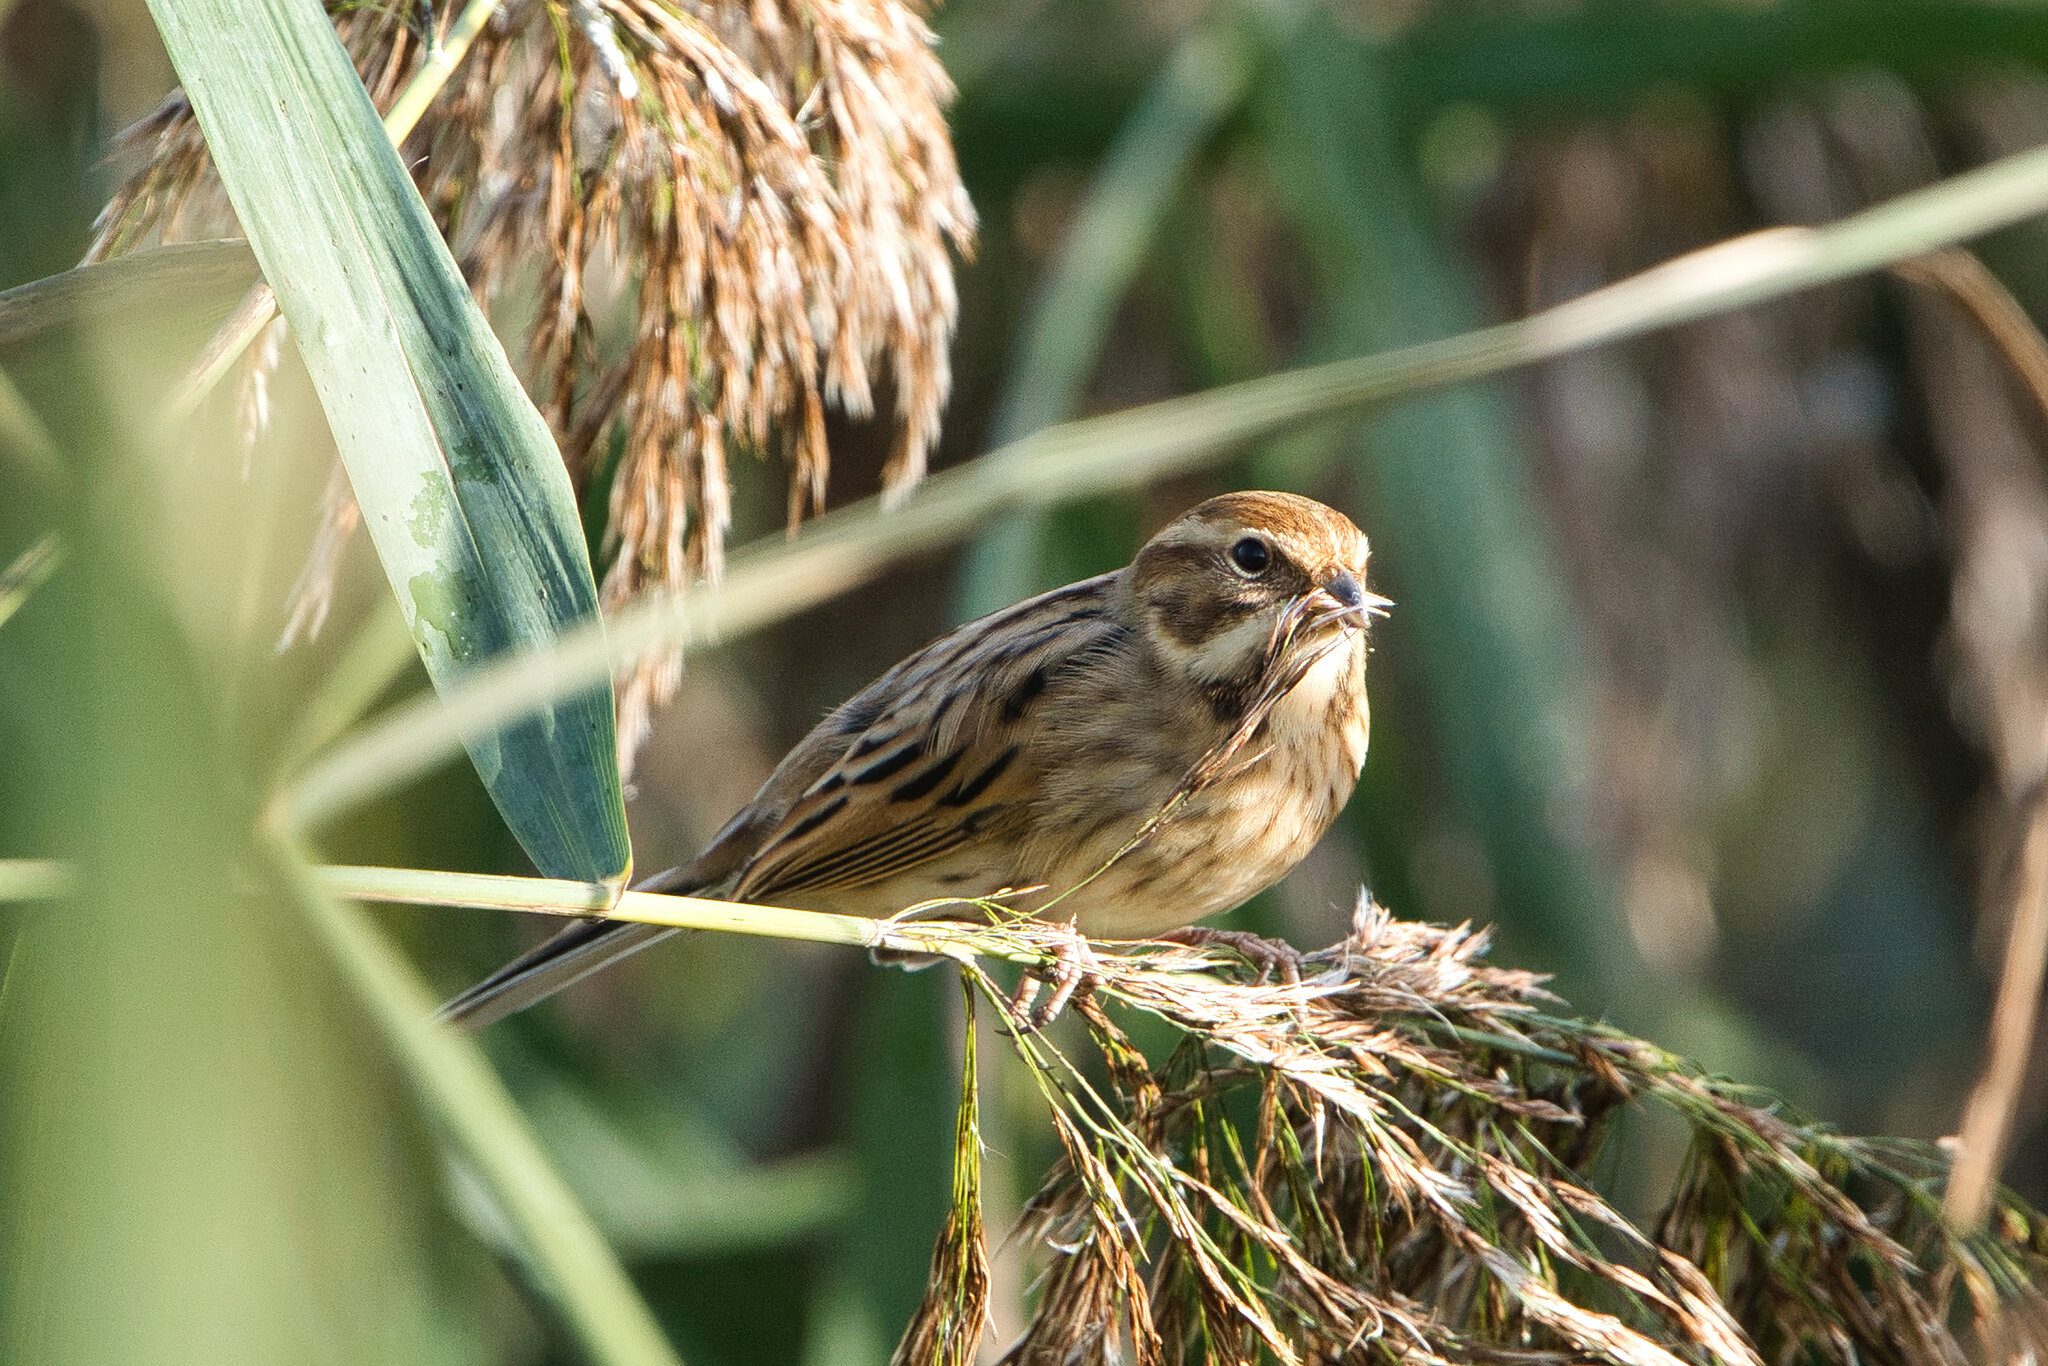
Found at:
[1270, 956]
[1072, 971]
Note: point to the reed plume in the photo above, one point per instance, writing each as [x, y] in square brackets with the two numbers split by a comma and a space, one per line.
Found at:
[710, 222]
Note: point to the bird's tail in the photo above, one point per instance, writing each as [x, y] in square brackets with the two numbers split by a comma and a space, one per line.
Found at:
[558, 961]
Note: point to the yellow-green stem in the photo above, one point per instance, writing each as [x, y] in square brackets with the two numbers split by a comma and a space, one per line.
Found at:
[442, 59]
[26, 880]
[552, 896]
[23, 438]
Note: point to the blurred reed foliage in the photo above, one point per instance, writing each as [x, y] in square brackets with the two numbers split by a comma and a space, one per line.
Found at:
[1710, 686]
[197, 1128]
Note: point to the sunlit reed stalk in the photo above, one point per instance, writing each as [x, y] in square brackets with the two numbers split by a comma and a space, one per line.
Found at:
[24, 442]
[771, 581]
[544, 896]
[24, 880]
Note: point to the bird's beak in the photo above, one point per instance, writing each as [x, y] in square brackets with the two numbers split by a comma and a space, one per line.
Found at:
[1342, 592]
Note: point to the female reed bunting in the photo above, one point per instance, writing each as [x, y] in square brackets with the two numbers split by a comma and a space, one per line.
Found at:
[1129, 754]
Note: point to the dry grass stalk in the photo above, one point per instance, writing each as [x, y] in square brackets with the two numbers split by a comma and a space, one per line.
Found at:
[1389, 1161]
[1997, 507]
[773, 185]
[1988, 1116]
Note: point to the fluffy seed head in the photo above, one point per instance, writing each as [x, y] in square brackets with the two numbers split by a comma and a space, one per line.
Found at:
[713, 220]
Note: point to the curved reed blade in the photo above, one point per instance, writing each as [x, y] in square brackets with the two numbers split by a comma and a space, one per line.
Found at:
[456, 472]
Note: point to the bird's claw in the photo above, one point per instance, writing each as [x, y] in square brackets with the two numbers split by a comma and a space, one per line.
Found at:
[1072, 972]
[1271, 956]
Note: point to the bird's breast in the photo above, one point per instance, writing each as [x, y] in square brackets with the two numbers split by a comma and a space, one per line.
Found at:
[1243, 832]
[1319, 730]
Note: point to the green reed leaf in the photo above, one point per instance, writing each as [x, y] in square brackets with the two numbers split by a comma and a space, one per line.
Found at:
[459, 480]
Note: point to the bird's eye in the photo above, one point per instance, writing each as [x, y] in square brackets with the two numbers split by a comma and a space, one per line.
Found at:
[1251, 556]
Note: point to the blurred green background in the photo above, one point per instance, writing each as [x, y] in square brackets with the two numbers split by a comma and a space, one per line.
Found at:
[1677, 694]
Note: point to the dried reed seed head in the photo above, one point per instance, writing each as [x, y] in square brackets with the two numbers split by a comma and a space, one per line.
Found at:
[949, 1325]
[1413, 1187]
[774, 180]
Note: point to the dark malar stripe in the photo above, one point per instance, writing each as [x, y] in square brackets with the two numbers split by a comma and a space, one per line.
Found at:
[1228, 702]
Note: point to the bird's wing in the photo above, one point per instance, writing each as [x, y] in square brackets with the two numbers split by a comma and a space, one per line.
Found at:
[937, 755]
[930, 757]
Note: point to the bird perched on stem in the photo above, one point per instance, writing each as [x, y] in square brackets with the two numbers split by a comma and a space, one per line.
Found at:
[1129, 754]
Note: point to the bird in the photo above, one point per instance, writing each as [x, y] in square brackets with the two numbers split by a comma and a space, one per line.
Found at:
[1127, 755]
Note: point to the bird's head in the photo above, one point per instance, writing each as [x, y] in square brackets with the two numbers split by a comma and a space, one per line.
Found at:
[1234, 585]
